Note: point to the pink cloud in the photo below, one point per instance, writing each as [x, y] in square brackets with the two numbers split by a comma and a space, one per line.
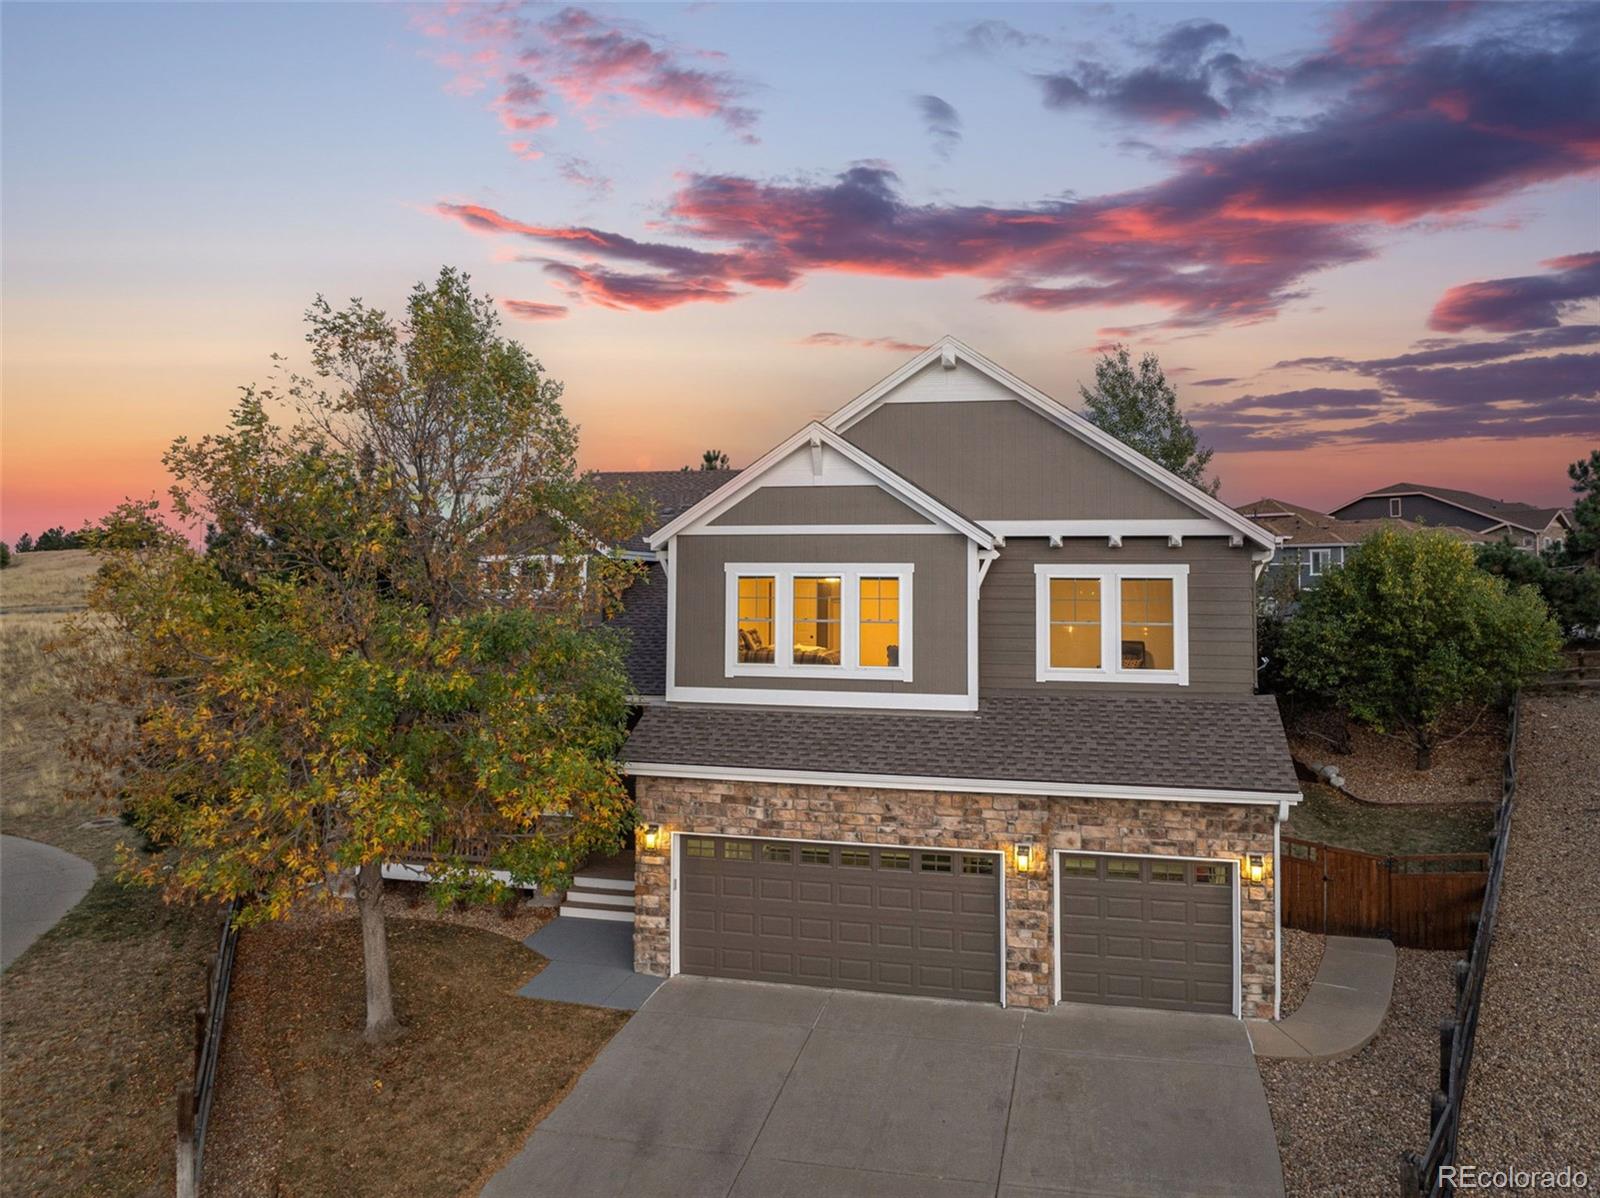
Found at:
[842, 340]
[533, 310]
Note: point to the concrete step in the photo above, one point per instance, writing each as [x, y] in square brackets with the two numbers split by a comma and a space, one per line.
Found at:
[595, 882]
[582, 910]
[600, 898]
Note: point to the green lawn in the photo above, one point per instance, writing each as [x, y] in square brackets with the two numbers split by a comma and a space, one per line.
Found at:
[1328, 817]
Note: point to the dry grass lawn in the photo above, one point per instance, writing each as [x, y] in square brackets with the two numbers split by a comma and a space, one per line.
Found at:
[307, 1108]
[1328, 817]
[94, 1018]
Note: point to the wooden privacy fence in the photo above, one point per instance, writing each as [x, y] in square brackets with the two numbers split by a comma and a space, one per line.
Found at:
[1422, 1173]
[195, 1093]
[1420, 900]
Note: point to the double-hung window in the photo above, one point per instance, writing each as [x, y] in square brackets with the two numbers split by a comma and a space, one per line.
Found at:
[1101, 624]
[1321, 561]
[814, 620]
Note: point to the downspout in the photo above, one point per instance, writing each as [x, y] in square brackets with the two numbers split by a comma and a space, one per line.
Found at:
[1277, 910]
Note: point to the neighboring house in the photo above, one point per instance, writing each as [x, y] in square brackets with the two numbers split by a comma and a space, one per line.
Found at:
[1525, 526]
[1310, 543]
[951, 694]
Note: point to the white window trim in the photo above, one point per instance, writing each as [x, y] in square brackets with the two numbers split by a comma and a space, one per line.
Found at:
[1322, 556]
[1394, 506]
[784, 574]
[1110, 579]
[520, 562]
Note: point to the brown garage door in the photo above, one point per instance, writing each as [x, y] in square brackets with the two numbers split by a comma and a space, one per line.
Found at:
[901, 921]
[1147, 932]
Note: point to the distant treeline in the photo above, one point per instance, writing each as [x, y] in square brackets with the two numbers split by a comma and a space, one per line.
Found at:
[53, 538]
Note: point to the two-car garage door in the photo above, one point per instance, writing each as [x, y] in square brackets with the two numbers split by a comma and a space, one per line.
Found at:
[859, 917]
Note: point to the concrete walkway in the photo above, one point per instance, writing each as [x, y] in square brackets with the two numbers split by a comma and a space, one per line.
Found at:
[38, 885]
[591, 962]
[1343, 1011]
[724, 1088]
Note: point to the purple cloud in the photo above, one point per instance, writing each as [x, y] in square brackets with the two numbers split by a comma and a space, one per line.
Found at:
[1525, 302]
[942, 122]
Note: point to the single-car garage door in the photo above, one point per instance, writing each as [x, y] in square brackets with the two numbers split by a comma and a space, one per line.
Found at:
[896, 920]
[1147, 932]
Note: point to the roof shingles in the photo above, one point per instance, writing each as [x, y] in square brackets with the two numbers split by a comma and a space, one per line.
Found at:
[1176, 743]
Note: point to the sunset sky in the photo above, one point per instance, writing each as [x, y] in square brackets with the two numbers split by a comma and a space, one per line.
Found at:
[1363, 239]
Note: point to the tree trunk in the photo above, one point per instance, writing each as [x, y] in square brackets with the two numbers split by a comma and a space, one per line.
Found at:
[382, 1026]
[1424, 755]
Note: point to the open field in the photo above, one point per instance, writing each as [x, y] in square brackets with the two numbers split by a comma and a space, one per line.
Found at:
[37, 594]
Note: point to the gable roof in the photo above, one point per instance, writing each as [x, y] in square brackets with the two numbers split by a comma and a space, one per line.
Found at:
[949, 350]
[669, 492]
[1519, 515]
[816, 434]
[1303, 526]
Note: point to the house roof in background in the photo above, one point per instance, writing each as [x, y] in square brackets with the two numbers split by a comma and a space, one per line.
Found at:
[670, 493]
[644, 618]
[1522, 515]
[1220, 743]
[1300, 526]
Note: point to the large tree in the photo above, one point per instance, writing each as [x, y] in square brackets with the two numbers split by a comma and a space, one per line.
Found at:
[1583, 542]
[1139, 407]
[1409, 632]
[390, 643]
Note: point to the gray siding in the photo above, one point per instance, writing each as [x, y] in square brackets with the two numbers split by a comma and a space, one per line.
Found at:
[1422, 508]
[1221, 613]
[819, 505]
[1003, 461]
[939, 606]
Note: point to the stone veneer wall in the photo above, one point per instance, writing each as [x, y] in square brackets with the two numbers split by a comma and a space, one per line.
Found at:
[963, 820]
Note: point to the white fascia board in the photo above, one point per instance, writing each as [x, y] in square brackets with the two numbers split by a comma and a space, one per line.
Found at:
[1063, 416]
[724, 496]
[775, 697]
[1064, 790]
[1109, 528]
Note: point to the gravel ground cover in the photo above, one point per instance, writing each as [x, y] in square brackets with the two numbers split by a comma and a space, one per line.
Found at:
[1533, 1097]
[1342, 1126]
[1302, 957]
[1381, 769]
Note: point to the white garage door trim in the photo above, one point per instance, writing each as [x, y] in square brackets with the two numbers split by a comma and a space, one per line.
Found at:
[675, 857]
[1055, 912]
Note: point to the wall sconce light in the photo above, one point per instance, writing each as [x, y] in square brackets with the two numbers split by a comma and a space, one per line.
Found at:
[652, 837]
[1256, 869]
[1024, 856]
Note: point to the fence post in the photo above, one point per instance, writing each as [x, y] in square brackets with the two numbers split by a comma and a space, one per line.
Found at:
[1410, 1175]
[1447, 1040]
[186, 1174]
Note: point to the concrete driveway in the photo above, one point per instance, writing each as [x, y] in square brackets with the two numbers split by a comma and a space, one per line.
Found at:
[721, 1087]
[38, 885]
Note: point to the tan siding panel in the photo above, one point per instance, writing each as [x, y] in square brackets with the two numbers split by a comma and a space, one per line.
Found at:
[1004, 461]
[939, 605]
[819, 505]
[1221, 613]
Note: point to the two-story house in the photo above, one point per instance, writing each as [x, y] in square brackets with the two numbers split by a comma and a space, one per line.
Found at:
[956, 699]
[1523, 524]
[1311, 543]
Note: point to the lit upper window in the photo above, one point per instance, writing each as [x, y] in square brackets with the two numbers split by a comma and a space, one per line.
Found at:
[848, 621]
[1102, 624]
